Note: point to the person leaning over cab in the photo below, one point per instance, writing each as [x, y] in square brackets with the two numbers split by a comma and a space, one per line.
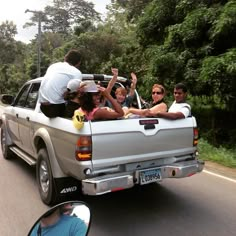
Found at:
[90, 104]
[179, 108]
[54, 83]
[157, 105]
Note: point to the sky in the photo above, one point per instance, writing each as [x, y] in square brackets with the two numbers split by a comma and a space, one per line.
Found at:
[14, 10]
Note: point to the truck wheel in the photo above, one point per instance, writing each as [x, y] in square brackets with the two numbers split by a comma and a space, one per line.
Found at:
[6, 152]
[45, 179]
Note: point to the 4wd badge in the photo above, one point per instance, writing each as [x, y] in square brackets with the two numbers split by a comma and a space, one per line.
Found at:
[69, 190]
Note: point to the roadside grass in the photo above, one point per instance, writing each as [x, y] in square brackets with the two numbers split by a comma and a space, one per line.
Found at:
[221, 155]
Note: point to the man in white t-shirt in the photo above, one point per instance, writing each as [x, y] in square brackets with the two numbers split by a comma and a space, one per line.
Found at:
[179, 108]
[54, 84]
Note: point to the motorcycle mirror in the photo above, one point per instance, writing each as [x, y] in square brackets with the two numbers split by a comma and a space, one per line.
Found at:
[67, 218]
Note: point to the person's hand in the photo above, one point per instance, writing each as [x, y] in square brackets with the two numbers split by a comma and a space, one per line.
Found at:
[81, 88]
[114, 71]
[103, 91]
[147, 112]
[134, 78]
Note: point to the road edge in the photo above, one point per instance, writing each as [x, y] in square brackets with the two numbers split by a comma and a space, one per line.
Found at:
[220, 169]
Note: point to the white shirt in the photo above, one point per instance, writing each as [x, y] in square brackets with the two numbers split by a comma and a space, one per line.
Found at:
[184, 108]
[55, 81]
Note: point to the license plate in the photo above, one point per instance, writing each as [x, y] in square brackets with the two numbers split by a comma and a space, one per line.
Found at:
[149, 176]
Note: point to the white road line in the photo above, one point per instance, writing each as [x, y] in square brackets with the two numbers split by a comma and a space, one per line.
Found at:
[220, 176]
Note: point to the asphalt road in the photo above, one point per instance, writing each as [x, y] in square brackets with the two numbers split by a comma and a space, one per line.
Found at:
[203, 204]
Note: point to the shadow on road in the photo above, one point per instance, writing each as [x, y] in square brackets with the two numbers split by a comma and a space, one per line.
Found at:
[145, 210]
[19, 165]
[130, 209]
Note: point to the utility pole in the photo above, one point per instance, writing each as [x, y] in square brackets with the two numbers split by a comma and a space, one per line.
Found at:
[39, 14]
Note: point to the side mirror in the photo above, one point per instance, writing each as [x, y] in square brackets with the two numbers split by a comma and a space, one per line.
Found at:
[67, 218]
[7, 99]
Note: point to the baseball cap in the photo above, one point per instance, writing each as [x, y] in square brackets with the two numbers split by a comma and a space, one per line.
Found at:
[89, 86]
[73, 85]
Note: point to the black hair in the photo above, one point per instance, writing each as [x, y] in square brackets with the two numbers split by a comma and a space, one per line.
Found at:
[86, 101]
[73, 57]
[69, 96]
[181, 86]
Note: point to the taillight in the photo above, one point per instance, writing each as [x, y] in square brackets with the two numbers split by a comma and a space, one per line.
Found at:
[195, 136]
[84, 148]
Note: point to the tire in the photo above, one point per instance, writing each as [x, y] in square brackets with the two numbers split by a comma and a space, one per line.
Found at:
[45, 178]
[6, 152]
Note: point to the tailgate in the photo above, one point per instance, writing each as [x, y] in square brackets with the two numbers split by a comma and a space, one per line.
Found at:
[130, 140]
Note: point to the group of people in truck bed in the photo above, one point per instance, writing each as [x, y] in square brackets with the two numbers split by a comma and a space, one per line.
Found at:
[62, 92]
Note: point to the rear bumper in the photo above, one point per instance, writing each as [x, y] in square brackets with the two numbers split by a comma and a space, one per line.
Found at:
[111, 183]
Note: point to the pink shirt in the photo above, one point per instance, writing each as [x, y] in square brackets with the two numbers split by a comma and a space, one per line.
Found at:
[89, 116]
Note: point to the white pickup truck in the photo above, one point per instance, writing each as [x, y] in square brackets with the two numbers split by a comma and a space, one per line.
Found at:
[103, 156]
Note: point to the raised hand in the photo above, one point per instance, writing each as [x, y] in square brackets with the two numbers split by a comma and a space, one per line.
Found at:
[134, 78]
[114, 71]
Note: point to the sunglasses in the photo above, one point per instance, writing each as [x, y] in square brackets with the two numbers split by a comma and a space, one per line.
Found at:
[156, 93]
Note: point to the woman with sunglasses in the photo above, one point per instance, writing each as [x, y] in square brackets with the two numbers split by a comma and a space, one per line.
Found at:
[157, 105]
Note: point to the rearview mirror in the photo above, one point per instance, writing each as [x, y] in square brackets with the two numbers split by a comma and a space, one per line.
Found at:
[67, 218]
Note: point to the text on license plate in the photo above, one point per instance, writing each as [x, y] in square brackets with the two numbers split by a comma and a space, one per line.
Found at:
[149, 176]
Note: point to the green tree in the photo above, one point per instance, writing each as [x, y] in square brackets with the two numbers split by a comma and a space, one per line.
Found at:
[158, 15]
[63, 15]
[194, 41]
[8, 47]
[133, 8]
[219, 72]
[12, 55]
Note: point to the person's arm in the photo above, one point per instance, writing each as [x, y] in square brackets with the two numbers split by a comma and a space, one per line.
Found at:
[148, 112]
[180, 113]
[117, 111]
[166, 115]
[133, 84]
[79, 227]
[136, 111]
[113, 80]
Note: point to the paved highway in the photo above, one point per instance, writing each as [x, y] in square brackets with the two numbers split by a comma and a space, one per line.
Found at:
[201, 205]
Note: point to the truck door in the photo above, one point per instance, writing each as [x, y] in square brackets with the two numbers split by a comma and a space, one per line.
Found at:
[13, 115]
[27, 117]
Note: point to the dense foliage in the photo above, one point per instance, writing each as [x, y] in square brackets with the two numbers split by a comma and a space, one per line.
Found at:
[164, 41]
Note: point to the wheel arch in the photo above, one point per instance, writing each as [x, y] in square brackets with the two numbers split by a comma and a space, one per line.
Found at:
[42, 139]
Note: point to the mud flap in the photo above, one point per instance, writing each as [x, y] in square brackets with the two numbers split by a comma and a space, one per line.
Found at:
[68, 188]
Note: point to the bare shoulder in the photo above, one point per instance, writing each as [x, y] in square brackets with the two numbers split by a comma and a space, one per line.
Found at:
[162, 107]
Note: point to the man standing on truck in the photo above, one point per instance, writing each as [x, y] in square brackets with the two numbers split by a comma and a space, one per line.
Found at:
[179, 108]
[54, 83]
